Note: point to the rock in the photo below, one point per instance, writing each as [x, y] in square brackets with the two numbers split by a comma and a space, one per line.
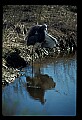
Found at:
[14, 60]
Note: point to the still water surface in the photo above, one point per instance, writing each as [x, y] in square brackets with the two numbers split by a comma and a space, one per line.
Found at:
[51, 92]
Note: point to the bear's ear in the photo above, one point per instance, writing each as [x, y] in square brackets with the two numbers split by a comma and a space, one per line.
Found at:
[44, 27]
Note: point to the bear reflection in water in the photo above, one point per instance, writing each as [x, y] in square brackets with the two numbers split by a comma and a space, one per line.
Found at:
[36, 86]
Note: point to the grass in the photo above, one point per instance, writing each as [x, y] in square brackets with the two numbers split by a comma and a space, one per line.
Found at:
[61, 21]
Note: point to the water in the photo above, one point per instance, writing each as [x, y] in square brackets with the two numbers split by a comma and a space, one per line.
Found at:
[52, 91]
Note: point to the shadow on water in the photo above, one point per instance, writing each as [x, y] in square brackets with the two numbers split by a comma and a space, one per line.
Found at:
[52, 85]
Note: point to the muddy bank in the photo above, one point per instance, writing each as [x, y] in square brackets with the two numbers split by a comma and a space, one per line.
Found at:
[62, 24]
